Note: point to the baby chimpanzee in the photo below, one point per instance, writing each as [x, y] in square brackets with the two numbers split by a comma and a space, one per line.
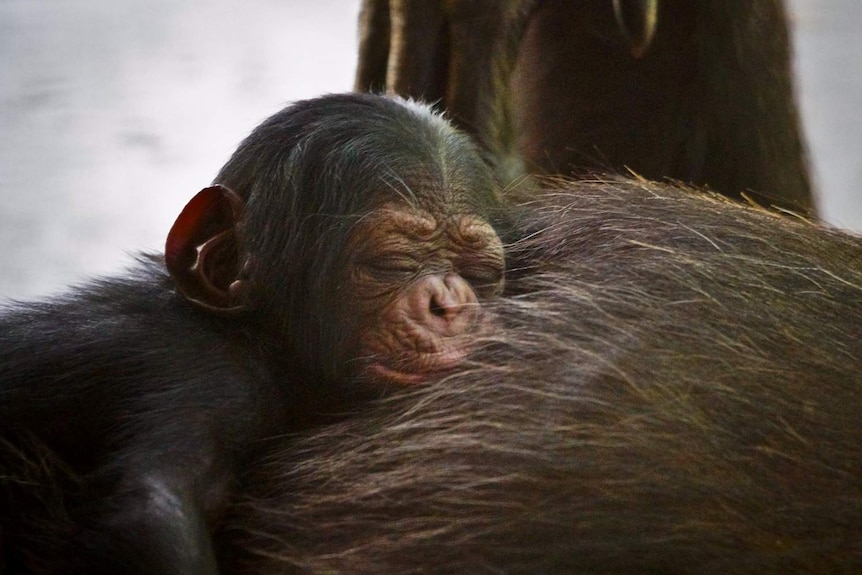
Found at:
[350, 238]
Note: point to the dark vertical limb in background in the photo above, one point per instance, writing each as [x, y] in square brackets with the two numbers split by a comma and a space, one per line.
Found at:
[554, 84]
[711, 102]
[374, 40]
[457, 54]
[752, 134]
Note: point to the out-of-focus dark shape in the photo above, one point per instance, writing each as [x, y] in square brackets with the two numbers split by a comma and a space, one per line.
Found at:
[552, 86]
[637, 20]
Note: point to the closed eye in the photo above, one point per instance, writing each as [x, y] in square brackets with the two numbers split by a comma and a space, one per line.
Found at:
[486, 281]
[392, 265]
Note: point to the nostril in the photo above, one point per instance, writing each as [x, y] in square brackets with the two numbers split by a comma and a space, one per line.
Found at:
[437, 309]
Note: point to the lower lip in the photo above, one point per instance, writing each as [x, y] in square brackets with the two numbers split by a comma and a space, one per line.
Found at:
[399, 377]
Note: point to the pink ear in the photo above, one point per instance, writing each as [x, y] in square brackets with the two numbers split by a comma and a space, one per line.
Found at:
[202, 251]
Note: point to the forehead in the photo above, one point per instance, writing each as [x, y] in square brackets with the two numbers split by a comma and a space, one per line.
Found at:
[429, 165]
[441, 185]
[395, 221]
[392, 152]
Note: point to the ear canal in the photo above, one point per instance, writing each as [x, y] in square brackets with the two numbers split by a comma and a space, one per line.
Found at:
[202, 251]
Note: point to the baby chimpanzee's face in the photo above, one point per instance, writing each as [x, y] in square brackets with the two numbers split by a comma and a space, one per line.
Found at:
[416, 280]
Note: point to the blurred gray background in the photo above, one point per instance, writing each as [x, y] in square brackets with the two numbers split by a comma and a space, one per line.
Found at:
[113, 113]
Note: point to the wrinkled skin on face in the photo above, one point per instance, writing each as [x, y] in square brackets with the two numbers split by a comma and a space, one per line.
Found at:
[418, 280]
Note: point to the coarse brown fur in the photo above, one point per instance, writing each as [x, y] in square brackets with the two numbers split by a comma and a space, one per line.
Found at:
[674, 388]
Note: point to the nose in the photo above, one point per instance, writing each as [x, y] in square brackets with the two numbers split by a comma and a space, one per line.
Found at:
[448, 304]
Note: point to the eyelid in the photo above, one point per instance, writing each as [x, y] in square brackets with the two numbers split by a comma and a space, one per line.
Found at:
[392, 263]
[483, 274]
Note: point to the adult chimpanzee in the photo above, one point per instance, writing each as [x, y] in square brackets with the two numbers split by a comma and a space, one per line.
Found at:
[347, 236]
[676, 389]
[694, 90]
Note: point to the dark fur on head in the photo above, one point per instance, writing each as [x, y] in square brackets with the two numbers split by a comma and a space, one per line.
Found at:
[311, 171]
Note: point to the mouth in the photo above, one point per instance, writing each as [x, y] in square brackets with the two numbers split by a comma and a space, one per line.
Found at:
[417, 369]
